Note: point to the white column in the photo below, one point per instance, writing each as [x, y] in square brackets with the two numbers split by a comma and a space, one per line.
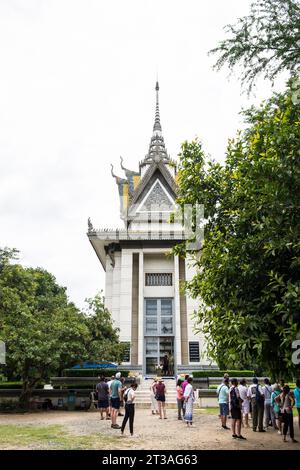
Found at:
[109, 285]
[125, 295]
[177, 311]
[141, 310]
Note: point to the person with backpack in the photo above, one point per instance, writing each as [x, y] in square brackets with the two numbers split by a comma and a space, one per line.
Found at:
[223, 399]
[286, 401]
[129, 397]
[256, 395]
[235, 403]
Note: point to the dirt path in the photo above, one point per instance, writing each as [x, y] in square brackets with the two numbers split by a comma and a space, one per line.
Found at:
[155, 434]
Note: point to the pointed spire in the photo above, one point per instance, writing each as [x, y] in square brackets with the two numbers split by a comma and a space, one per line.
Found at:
[157, 150]
[157, 125]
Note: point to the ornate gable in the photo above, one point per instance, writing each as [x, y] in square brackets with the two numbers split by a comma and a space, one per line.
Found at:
[155, 175]
[157, 199]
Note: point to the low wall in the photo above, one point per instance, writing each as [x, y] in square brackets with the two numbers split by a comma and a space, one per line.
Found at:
[59, 398]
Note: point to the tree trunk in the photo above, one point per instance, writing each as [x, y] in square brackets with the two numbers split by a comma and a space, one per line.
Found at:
[26, 394]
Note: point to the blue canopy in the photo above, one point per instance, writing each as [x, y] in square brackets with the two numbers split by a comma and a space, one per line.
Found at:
[95, 365]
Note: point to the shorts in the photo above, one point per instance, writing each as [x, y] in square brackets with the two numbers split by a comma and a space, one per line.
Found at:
[161, 398]
[236, 413]
[115, 403]
[246, 407]
[103, 403]
[224, 409]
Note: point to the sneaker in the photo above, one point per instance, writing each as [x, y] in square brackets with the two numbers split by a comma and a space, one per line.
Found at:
[262, 430]
[115, 426]
[279, 432]
[234, 436]
[241, 437]
[225, 427]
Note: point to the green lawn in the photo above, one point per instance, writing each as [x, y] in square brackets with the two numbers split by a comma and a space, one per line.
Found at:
[53, 437]
[209, 410]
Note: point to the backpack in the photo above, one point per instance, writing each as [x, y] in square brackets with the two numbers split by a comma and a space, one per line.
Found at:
[259, 398]
[125, 397]
[235, 402]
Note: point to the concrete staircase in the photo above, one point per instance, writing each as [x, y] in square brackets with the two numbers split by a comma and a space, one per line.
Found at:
[143, 400]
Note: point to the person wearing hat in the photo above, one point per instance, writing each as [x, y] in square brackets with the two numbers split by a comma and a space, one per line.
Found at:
[161, 398]
[115, 395]
[154, 405]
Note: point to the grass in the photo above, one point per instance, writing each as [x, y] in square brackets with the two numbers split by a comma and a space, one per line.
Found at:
[210, 410]
[54, 437]
[215, 411]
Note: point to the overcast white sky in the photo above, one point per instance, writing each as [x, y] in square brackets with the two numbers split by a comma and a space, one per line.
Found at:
[77, 82]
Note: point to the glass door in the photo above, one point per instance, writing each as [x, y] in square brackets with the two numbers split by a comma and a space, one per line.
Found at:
[158, 335]
[152, 359]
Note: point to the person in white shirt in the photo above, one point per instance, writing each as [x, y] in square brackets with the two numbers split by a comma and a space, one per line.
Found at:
[129, 397]
[256, 395]
[109, 384]
[189, 399]
[243, 390]
[268, 410]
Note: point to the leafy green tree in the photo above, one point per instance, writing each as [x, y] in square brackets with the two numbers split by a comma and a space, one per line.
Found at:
[40, 327]
[248, 276]
[44, 332]
[265, 42]
[103, 342]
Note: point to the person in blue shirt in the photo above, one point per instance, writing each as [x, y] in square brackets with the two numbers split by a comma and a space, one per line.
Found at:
[223, 399]
[297, 399]
[276, 408]
[115, 397]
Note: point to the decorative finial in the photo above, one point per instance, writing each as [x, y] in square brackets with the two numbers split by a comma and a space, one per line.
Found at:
[117, 178]
[121, 159]
[112, 170]
[90, 225]
[157, 150]
[157, 125]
